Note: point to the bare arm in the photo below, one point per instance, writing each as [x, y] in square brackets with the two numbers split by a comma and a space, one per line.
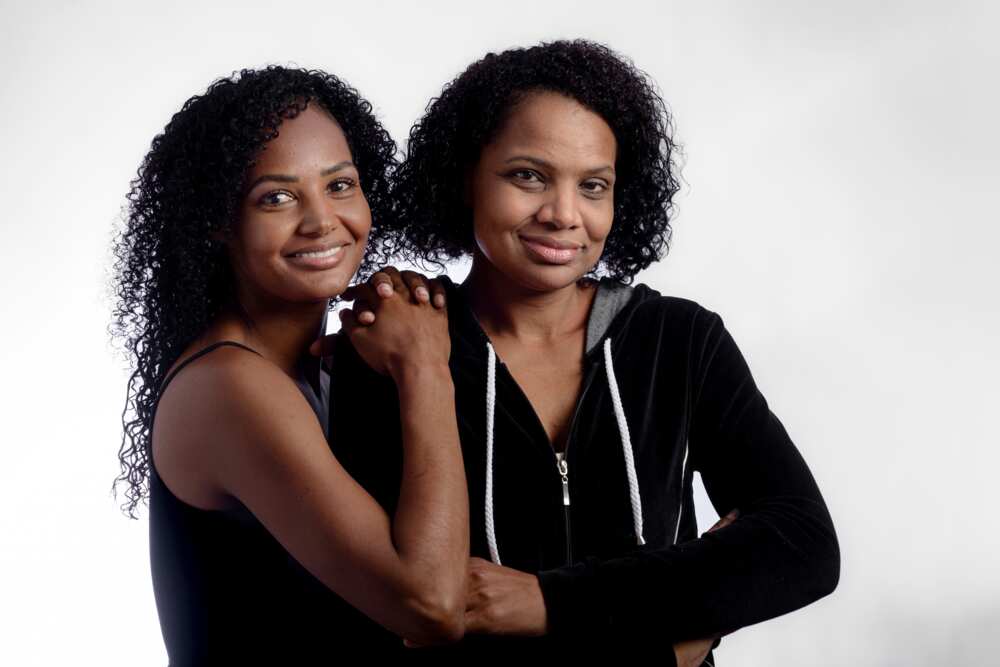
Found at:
[234, 423]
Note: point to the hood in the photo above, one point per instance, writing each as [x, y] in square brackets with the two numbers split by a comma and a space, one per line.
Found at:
[610, 312]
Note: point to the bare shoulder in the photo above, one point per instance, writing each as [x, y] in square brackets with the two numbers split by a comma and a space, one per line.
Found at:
[213, 411]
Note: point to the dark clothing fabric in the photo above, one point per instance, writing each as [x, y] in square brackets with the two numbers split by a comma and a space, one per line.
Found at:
[228, 593]
[690, 404]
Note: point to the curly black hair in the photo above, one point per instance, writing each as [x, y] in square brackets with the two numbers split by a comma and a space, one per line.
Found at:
[432, 221]
[171, 276]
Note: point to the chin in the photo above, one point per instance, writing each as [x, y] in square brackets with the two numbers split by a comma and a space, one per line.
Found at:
[312, 293]
[547, 279]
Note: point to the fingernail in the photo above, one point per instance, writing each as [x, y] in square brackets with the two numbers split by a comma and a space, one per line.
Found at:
[439, 300]
[384, 289]
[423, 294]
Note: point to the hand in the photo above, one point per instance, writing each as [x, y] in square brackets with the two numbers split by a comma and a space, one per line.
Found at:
[723, 522]
[503, 601]
[692, 653]
[422, 290]
[408, 333]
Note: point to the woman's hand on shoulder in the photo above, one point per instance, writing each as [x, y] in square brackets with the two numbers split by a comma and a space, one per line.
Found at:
[422, 290]
[382, 285]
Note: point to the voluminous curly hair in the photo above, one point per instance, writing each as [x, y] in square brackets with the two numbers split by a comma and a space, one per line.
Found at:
[432, 222]
[171, 276]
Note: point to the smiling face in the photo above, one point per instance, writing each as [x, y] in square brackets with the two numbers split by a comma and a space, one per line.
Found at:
[304, 219]
[542, 193]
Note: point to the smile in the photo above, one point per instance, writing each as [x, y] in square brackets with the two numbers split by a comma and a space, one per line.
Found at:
[551, 251]
[317, 260]
[321, 253]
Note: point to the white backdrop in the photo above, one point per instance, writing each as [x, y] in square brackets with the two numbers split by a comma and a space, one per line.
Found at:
[839, 211]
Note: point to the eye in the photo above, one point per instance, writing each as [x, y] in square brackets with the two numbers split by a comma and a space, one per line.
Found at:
[342, 185]
[525, 177]
[275, 198]
[594, 187]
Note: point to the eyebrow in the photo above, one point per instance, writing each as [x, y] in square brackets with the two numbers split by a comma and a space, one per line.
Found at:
[548, 165]
[285, 178]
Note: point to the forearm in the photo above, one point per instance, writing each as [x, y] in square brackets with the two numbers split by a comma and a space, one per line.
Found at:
[431, 525]
[780, 555]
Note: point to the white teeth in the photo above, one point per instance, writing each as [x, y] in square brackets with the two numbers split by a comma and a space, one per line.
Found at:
[325, 253]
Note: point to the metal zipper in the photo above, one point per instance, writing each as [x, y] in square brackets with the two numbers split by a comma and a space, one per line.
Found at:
[563, 469]
[562, 462]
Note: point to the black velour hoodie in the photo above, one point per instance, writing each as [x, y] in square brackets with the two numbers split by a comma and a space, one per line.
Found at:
[689, 403]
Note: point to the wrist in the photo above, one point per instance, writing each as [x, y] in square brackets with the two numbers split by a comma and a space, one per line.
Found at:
[416, 374]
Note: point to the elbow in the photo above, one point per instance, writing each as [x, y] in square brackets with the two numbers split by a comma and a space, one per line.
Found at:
[439, 618]
[826, 567]
[831, 569]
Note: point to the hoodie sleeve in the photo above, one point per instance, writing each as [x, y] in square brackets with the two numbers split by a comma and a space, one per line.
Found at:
[779, 555]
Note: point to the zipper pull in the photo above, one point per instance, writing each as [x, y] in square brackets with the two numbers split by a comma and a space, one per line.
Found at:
[564, 473]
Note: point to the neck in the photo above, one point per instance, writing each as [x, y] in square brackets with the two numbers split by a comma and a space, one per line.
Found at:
[506, 309]
[279, 330]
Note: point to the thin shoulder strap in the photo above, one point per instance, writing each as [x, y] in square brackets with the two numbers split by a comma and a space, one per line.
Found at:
[200, 353]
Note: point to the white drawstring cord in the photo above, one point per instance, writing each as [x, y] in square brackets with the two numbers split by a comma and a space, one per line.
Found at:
[623, 432]
[633, 482]
[491, 397]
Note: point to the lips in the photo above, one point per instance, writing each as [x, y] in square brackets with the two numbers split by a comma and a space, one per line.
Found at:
[551, 250]
[318, 257]
[326, 250]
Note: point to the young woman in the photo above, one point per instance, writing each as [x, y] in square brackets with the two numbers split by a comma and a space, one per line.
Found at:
[584, 404]
[252, 210]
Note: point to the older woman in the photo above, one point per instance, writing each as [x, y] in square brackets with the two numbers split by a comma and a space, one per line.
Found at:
[585, 404]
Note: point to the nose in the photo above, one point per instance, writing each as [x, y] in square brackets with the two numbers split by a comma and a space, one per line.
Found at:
[319, 217]
[561, 208]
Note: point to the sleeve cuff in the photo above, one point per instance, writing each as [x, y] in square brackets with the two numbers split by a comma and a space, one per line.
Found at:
[572, 604]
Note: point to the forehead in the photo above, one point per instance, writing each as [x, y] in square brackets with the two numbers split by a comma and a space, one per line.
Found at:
[313, 139]
[556, 127]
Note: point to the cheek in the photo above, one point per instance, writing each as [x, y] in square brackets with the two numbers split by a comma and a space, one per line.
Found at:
[357, 217]
[500, 211]
[599, 226]
[262, 234]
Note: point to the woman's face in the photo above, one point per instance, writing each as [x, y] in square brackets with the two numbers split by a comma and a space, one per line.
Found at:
[304, 219]
[542, 193]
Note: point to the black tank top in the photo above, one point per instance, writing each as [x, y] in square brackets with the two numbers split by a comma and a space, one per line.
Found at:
[228, 593]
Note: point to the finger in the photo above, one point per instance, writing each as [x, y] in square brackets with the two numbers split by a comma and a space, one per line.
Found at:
[437, 293]
[692, 652]
[725, 521]
[417, 285]
[382, 283]
[473, 623]
[363, 311]
[397, 279]
[323, 346]
[348, 321]
[360, 291]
